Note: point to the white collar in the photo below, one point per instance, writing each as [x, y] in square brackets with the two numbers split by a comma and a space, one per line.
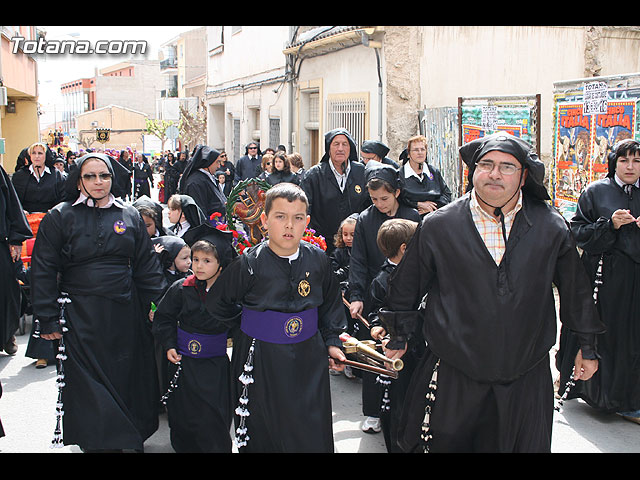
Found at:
[291, 257]
[410, 172]
[46, 170]
[622, 184]
[82, 198]
[209, 174]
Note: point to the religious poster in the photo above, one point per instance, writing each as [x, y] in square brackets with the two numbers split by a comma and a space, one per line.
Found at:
[585, 130]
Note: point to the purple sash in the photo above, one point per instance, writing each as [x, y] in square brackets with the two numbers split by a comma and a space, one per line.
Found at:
[280, 327]
[199, 345]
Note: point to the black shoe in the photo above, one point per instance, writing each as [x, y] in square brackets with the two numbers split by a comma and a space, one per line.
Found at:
[11, 347]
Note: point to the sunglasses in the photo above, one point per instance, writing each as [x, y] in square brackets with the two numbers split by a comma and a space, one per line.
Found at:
[91, 177]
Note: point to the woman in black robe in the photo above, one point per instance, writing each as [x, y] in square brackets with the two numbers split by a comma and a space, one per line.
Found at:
[606, 228]
[281, 171]
[93, 266]
[423, 187]
[198, 181]
[172, 174]
[125, 161]
[39, 186]
[14, 230]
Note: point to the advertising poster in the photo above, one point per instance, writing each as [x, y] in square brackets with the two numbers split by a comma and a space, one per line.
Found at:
[480, 120]
[585, 130]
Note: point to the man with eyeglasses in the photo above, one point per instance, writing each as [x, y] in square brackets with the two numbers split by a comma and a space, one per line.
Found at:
[477, 280]
[249, 165]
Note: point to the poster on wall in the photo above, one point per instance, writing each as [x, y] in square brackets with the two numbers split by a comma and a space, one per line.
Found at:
[480, 120]
[584, 134]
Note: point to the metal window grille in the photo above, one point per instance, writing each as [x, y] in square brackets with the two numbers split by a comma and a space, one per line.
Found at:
[348, 113]
[274, 131]
[236, 140]
[314, 107]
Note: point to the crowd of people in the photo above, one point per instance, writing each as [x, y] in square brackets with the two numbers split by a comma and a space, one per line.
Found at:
[137, 300]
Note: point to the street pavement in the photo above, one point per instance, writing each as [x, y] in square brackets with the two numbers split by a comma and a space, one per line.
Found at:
[27, 412]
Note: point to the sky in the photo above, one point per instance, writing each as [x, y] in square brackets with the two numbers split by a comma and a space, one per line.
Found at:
[56, 69]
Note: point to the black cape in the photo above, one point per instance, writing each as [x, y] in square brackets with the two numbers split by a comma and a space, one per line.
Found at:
[289, 401]
[428, 189]
[203, 189]
[328, 205]
[142, 179]
[199, 410]
[468, 322]
[39, 196]
[14, 229]
[366, 257]
[615, 387]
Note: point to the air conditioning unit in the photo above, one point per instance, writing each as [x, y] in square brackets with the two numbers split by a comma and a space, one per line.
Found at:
[3, 96]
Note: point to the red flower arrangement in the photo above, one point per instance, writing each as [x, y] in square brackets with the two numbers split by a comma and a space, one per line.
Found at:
[240, 241]
[317, 240]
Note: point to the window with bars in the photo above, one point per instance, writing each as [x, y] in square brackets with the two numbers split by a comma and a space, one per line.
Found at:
[349, 112]
[274, 132]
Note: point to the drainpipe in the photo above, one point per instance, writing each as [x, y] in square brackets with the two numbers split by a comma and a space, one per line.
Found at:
[367, 42]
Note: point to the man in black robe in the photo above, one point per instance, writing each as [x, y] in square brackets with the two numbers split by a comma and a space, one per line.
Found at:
[199, 181]
[142, 177]
[484, 266]
[335, 186]
[250, 164]
[14, 229]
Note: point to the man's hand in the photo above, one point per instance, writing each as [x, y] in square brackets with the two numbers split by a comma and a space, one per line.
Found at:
[356, 308]
[336, 356]
[173, 356]
[584, 369]
[393, 354]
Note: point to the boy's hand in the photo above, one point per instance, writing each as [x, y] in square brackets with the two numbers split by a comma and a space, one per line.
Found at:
[336, 357]
[173, 356]
[378, 333]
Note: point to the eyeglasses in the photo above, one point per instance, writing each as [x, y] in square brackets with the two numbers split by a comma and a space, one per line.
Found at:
[253, 148]
[419, 150]
[504, 168]
[91, 177]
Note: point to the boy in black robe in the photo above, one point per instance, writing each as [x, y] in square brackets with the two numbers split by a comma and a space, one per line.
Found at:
[198, 403]
[393, 237]
[489, 315]
[292, 316]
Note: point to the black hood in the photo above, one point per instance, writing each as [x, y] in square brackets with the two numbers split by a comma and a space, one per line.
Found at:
[221, 240]
[172, 245]
[374, 146]
[157, 208]
[192, 212]
[202, 158]
[119, 172]
[329, 136]
[521, 150]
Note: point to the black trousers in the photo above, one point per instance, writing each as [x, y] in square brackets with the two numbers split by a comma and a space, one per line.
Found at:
[469, 416]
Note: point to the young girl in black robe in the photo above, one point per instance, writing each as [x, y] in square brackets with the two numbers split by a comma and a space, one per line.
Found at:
[366, 261]
[292, 316]
[198, 401]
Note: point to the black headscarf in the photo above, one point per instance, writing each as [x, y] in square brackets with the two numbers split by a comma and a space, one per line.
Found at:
[156, 207]
[473, 151]
[192, 212]
[172, 245]
[329, 136]
[521, 150]
[202, 157]
[383, 172]
[119, 175]
[376, 147]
